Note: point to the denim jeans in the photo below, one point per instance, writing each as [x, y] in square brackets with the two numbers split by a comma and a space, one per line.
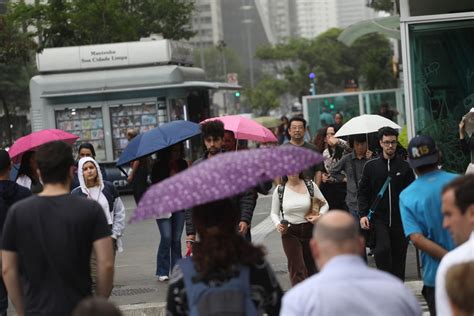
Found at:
[169, 251]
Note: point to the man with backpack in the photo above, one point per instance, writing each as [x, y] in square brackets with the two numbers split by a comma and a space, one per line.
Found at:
[10, 193]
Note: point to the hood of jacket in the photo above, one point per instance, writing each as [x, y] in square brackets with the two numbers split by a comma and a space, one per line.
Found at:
[80, 174]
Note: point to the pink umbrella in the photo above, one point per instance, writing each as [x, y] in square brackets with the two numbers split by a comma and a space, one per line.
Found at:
[36, 139]
[245, 128]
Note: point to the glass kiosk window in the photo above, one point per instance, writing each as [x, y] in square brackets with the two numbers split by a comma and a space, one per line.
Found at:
[87, 123]
[443, 83]
[141, 117]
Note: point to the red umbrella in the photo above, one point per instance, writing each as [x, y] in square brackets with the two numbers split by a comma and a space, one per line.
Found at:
[245, 128]
[36, 139]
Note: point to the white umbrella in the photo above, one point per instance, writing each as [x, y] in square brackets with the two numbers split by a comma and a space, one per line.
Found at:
[365, 124]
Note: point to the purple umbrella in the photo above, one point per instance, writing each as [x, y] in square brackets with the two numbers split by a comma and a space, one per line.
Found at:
[222, 176]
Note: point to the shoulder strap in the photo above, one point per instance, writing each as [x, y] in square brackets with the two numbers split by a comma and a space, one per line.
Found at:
[310, 187]
[281, 191]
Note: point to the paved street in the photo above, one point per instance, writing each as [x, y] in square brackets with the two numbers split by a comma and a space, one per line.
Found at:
[135, 281]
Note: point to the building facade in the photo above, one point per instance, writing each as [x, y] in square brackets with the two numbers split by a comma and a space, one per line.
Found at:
[317, 16]
[207, 23]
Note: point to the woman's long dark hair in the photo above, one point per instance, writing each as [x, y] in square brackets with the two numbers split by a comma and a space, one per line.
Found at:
[320, 140]
[25, 167]
[161, 169]
[220, 247]
[337, 152]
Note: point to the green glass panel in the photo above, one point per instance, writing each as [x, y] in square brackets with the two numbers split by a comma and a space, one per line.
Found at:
[347, 105]
[443, 83]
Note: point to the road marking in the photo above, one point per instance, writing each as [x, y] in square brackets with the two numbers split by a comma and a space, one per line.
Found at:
[260, 231]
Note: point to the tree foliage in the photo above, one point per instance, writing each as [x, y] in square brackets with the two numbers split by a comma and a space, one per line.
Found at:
[333, 63]
[15, 68]
[382, 5]
[266, 95]
[374, 62]
[59, 23]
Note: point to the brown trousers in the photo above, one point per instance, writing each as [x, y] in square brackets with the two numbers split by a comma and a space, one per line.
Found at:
[296, 246]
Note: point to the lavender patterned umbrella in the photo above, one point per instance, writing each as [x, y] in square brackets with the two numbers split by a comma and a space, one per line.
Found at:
[222, 176]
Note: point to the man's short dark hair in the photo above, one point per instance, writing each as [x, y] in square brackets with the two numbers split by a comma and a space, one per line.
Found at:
[360, 138]
[387, 131]
[297, 119]
[54, 161]
[462, 187]
[214, 128]
[5, 161]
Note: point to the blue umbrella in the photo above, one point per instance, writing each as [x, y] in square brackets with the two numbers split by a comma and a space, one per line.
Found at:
[158, 138]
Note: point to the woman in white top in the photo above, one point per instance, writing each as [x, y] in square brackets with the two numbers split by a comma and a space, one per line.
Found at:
[296, 234]
[27, 174]
[93, 187]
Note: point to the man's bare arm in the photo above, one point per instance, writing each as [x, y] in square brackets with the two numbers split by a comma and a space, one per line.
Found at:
[428, 246]
[11, 277]
[105, 266]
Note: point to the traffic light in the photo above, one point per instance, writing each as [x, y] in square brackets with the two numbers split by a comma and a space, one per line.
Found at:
[329, 103]
[237, 94]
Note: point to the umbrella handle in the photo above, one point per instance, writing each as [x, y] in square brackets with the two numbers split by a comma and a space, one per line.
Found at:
[123, 170]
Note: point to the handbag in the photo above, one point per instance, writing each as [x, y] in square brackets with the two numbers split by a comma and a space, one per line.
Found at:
[316, 203]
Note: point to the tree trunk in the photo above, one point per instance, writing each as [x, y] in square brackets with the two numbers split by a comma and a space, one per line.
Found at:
[8, 119]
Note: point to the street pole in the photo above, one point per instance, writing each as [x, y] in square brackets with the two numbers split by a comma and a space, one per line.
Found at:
[248, 21]
[312, 77]
[249, 46]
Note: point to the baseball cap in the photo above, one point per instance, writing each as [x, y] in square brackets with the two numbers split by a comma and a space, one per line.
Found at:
[422, 151]
[4, 160]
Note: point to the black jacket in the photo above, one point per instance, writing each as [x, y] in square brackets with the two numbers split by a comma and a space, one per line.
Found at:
[245, 202]
[374, 175]
[10, 193]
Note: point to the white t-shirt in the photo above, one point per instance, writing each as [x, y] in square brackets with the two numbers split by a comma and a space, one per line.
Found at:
[461, 254]
[295, 205]
[95, 193]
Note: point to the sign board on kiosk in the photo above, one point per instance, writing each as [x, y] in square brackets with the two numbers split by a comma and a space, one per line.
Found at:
[116, 55]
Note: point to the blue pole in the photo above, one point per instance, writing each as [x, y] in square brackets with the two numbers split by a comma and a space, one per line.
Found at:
[312, 77]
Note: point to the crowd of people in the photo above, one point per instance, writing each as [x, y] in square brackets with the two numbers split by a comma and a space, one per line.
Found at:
[62, 224]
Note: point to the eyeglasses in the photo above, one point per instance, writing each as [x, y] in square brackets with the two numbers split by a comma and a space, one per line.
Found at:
[297, 128]
[392, 143]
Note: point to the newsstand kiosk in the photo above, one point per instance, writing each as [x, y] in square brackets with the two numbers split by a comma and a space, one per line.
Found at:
[98, 92]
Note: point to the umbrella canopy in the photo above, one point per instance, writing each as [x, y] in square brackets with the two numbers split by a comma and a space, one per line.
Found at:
[36, 139]
[245, 128]
[388, 26]
[365, 124]
[269, 121]
[158, 138]
[222, 176]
